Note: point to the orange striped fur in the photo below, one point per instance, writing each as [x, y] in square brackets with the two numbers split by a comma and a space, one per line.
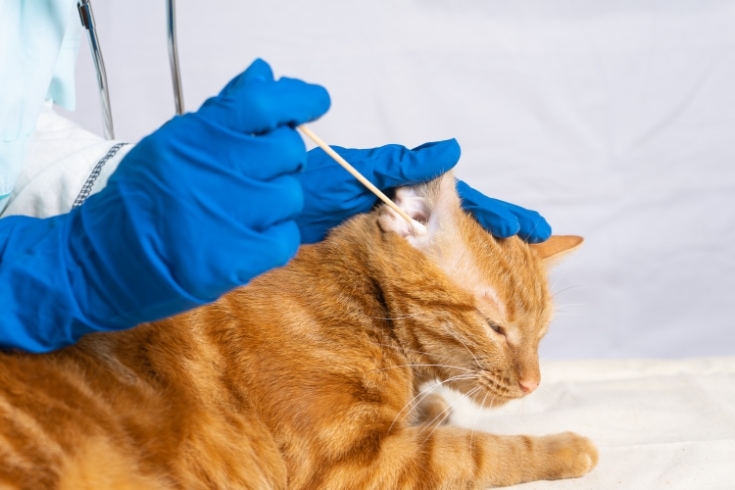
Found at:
[308, 377]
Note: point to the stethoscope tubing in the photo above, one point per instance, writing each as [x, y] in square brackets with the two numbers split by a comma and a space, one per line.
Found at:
[87, 18]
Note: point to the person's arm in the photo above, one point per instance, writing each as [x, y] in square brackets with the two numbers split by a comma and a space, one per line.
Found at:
[202, 205]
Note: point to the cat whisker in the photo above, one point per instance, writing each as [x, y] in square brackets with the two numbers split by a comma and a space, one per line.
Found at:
[554, 294]
[474, 419]
[568, 309]
[448, 366]
[459, 339]
[422, 354]
[420, 396]
[545, 389]
[557, 279]
[448, 410]
[535, 224]
[401, 348]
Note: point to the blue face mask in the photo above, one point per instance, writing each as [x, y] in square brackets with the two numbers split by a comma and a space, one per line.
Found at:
[38, 47]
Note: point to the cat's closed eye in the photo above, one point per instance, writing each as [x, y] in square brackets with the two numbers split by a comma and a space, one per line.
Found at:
[496, 328]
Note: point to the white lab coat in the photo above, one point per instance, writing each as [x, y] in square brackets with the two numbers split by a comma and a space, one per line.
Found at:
[45, 160]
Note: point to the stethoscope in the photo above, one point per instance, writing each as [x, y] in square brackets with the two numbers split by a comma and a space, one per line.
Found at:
[87, 18]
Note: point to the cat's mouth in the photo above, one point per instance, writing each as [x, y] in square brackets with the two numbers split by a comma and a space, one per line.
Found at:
[485, 389]
[490, 399]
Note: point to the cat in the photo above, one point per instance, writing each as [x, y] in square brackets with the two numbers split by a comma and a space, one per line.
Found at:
[308, 377]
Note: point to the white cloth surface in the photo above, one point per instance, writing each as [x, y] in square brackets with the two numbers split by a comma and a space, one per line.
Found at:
[658, 424]
[60, 159]
[614, 118]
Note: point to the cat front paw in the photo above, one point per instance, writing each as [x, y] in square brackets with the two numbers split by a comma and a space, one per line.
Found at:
[566, 455]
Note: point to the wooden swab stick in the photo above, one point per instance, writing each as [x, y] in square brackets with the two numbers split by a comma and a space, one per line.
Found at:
[418, 228]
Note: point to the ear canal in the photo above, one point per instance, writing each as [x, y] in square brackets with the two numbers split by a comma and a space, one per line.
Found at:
[426, 203]
[557, 247]
[411, 202]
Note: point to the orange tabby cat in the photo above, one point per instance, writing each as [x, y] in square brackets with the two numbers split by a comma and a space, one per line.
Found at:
[307, 378]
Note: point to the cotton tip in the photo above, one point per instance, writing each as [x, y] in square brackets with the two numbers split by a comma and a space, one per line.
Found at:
[418, 228]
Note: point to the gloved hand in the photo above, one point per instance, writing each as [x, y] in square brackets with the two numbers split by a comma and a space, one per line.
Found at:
[503, 219]
[197, 208]
[331, 195]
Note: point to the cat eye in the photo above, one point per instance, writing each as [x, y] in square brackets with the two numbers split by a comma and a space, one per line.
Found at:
[496, 328]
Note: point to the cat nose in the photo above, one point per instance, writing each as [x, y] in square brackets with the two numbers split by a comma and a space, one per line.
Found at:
[528, 385]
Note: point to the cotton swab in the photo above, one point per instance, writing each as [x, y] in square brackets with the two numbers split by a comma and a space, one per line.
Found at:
[418, 228]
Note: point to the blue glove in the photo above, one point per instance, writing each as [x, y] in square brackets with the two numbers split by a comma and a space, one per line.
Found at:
[202, 205]
[503, 219]
[331, 195]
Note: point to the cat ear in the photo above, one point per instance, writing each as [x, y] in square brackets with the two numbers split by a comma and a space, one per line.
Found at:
[431, 204]
[556, 247]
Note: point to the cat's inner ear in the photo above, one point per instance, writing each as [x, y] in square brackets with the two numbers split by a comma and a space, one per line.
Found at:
[433, 204]
[556, 247]
[412, 202]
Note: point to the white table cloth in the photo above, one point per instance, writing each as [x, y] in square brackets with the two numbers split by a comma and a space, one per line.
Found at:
[658, 424]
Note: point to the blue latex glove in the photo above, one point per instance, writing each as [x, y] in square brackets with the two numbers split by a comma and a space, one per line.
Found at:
[331, 195]
[200, 206]
[503, 219]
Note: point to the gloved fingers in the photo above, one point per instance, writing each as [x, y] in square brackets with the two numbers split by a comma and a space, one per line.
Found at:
[254, 103]
[286, 153]
[489, 212]
[263, 250]
[288, 101]
[236, 260]
[325, 178]
[258, 204]
[315, 229]
[227, 231]
[271, 155]
[258, 71]
[533, 228]
[265, 156]
[471, 197]
[503, 219]
[395, 165]
[321, 214]
[497, 220]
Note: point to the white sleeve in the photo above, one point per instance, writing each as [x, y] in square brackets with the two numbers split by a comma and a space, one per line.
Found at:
[38, 44]
[64, 165]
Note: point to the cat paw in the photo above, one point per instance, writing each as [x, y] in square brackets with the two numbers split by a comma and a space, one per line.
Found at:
[567, 455]
[432, 410]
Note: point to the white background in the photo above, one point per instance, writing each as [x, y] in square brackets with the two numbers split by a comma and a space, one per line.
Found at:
[614, 118]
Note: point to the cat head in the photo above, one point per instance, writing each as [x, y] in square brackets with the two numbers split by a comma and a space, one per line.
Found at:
[470, 308]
